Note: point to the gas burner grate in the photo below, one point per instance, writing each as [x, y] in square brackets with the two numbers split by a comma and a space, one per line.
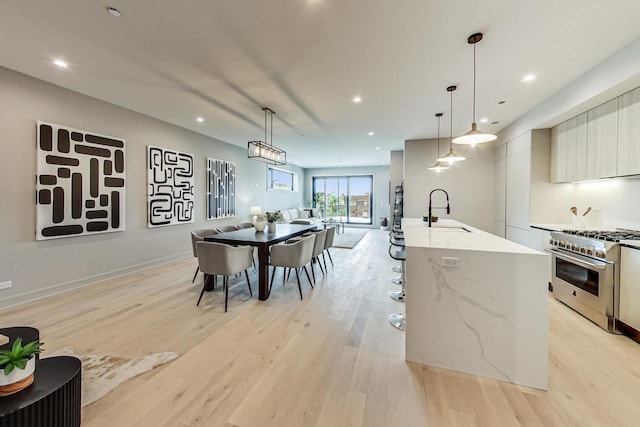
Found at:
[609, 235]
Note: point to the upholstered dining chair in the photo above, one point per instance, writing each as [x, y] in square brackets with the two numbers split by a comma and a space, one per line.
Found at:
[198, 236]
[318, 248]
[295, 255]
[242, 225]
[217, 259]
[328, 243]
[300, 221]
[226, 228]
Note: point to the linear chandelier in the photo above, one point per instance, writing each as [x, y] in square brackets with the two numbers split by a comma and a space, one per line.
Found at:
[474, 136]
[438, 165]
[265, 151]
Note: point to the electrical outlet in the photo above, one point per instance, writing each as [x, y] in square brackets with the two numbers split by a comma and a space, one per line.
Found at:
[449, 262]
[5, 285]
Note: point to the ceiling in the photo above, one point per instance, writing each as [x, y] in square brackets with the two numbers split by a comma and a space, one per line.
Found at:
[307, 59]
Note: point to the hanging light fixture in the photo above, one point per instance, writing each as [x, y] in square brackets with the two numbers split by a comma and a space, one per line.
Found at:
[474, 136]
[265, 151]
[438, 165]
[451, 157]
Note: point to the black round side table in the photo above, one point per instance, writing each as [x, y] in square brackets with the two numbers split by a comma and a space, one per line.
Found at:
[53, 400]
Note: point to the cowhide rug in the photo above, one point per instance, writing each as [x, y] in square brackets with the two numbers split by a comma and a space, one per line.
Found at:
[101, 374]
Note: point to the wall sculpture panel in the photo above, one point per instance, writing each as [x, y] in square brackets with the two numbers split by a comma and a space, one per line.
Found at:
[80, 182]
[169, 187]
[221, 183]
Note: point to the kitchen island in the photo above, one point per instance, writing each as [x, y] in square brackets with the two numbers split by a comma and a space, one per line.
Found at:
[476, 303]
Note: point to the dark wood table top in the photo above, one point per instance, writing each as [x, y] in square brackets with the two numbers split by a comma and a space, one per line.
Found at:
[249, 236]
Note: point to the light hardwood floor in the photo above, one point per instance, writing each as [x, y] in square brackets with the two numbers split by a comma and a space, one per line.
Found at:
[330, 360]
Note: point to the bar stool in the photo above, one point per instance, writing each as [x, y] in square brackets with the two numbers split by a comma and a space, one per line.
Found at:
[398, 242]
[397, 251]
[398, 233]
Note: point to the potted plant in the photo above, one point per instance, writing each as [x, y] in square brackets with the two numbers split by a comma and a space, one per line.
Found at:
[272, 218]
[17, 366]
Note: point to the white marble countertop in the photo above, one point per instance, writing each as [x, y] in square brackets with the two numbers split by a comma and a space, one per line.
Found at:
[451, 234]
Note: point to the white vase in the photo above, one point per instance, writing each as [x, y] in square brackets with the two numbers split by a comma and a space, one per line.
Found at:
[272, 227]
[259, 225]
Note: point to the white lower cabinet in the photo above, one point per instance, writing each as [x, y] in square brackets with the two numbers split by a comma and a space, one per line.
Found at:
[630, 287]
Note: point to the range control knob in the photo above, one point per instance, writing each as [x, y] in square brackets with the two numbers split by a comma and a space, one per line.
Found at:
[600, 253]
[583, 249]
[591, 251]
[575, 247]
[562, 243]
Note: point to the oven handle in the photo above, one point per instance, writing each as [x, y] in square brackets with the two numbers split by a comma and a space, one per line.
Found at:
[579, 261]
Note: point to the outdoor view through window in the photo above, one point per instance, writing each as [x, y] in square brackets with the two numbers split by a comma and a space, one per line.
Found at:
[344, 198]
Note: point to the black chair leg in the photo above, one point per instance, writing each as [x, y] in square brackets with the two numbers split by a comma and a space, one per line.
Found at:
[273, 274]
[330, 259]
[307, 272]
[204, 286]
[196, 275]
[248, 282]
[298, 279]
[313, 272]
[325, 260]
[225, 285]
[320, 264]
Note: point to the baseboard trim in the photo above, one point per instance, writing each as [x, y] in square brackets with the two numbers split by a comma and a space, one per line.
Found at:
[59, 288]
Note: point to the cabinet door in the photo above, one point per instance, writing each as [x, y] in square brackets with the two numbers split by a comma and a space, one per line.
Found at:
[630, 287]
[518, 184]
[629, 134]
[559, 153]
[501, 188]
[576, 148]
[602, 140]
[518, 235]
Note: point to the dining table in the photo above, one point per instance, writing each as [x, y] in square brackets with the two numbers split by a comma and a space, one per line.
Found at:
[261, 240]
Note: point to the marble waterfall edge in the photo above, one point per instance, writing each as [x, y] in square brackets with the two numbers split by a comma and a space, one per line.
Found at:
[485, 317]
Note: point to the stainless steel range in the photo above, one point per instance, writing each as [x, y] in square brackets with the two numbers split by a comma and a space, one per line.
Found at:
[586, 271]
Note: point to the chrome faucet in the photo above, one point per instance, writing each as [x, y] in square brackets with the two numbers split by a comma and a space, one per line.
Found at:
[448, 208]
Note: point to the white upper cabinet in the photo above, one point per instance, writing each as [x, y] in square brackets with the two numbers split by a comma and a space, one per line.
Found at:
[602, 141]
[569, 150]
[629, 134]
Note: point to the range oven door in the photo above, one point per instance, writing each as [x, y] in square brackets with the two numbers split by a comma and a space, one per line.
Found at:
[586, 285]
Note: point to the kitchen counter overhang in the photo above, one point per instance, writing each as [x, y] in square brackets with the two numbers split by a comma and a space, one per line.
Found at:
[476, 303]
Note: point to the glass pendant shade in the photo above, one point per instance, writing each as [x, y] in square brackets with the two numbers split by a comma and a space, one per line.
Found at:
[265, 151]
[438, 165]
[474, 136]
[451, 157]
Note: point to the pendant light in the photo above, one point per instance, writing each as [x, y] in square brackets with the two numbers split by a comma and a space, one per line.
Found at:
[474, 136]
[451, 157]
[438, 165]
[265, 151]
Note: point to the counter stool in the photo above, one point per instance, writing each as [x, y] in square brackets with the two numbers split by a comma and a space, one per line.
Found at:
[399, 234]
[398, 243]
[398, 253]
[398, 320]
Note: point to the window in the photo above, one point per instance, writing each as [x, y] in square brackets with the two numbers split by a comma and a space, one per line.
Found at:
[280, 179]
[345, 198]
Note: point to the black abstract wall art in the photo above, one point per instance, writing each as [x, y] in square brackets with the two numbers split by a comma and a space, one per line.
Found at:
[221, 183]
[80, 183]
[169, 187]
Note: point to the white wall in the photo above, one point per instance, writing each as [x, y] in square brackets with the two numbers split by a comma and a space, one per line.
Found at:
[614, 202]
[470, 183]
[40, 268]
[380, 186]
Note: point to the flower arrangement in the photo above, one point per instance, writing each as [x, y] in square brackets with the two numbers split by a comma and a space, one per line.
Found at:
[273, 216]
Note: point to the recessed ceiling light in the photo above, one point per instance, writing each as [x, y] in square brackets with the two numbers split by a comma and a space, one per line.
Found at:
[357, 99]
[484, 120]
[529, 78]
[377, 148]
[113, 11]
[494, 123]
[371, 133]
[501, 102]
[60, 63]
[200, 119]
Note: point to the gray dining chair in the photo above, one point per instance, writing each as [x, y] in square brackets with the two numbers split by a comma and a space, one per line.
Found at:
[198, 236]
[295, 255]
[243, 225]
[318, 248]
[227, 228]
[217, 259]
[328, 243]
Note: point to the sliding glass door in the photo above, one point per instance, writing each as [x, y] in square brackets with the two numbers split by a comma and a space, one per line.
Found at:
[344, 198]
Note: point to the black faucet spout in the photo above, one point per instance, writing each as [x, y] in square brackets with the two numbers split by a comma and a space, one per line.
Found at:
[448, 207]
